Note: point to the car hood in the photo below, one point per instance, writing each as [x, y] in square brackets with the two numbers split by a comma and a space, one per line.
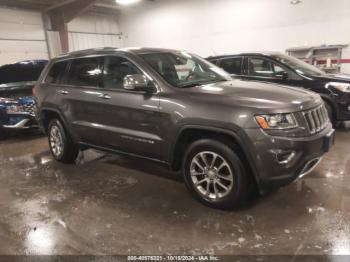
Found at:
[333, 77]
[16, 90]
[259, 95]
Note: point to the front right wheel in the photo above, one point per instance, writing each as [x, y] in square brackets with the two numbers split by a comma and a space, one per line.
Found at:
[214, 174]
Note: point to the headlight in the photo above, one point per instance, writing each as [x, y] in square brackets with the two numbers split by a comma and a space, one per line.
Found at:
[342, 87]
[277, 121]
[12, 109]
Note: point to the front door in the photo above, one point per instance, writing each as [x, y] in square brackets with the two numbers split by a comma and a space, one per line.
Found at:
[128, 121]
[264, 69]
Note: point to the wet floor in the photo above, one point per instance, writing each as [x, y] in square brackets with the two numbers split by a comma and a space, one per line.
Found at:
[107, 204]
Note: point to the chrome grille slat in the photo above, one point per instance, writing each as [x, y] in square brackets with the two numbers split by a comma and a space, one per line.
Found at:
[316, 119]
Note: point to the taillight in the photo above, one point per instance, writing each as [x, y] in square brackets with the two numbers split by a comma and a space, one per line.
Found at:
[34, 90]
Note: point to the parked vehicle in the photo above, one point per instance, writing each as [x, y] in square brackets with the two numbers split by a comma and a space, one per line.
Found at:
[17, 110]
[179, 110]
[287, 70]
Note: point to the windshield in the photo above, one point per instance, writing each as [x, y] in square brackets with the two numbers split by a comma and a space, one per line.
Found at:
[299, 66]
[182, 69]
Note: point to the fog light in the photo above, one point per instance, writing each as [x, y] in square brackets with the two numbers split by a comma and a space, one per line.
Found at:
[285, 157]
[348, 108]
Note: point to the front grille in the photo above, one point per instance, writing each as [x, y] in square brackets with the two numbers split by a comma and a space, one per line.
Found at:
[317, 119]
[29, 108]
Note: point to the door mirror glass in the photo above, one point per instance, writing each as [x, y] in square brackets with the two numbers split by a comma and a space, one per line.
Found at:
[138, 82]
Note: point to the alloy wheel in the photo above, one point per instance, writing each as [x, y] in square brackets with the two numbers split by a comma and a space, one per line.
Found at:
[56, 141]
[211, 175]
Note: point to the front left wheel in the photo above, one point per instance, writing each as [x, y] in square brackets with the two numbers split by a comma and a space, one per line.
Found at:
[215, 175]
[61, 145]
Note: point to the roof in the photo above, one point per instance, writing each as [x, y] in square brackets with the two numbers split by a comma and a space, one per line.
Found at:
[96, 51]
[264, 53]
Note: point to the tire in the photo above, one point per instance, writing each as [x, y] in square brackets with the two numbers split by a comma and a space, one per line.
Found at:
[61, 145]
[228, 185]
[332, 116]
[3, 134]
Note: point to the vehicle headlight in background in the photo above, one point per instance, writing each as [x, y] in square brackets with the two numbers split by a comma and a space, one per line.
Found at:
[342, 87]
[14, 109]
[277, 121]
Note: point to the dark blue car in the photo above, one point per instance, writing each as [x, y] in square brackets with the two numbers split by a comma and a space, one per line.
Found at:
[17, 109]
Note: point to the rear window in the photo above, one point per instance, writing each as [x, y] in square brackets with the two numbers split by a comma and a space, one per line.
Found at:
[85, 72]
[56, 73]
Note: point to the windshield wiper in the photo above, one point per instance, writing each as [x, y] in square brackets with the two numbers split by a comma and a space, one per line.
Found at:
[199, 83]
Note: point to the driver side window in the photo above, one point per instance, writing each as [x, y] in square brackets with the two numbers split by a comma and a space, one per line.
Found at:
[263, 67]
[115, 69]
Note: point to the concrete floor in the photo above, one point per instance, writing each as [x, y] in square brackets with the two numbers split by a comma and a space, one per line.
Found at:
[111, 205]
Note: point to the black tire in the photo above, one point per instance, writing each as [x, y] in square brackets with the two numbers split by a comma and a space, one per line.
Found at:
[3, 134]
[332, 115]
[69, 151]
[236, 195]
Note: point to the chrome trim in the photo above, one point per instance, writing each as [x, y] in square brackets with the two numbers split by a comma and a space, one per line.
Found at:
[307, 169]
[288, 160]
[20, 124]
[316, 119]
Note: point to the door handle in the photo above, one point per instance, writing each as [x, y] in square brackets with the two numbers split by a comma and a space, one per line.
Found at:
[63, 92]
[105, 96]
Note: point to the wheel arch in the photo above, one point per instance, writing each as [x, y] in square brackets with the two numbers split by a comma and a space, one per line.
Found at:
[47, 114]
[189, 134]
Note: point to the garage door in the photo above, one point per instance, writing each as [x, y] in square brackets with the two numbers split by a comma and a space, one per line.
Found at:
[21, 36]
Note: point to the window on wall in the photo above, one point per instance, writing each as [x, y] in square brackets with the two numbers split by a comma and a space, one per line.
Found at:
[56, 74]
[232, 65]
[115, 70]
[85, 72]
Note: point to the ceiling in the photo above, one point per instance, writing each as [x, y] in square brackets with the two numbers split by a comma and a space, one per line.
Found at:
[101, 6]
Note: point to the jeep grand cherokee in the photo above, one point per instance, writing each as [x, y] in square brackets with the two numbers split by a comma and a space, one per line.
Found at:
[177, 109]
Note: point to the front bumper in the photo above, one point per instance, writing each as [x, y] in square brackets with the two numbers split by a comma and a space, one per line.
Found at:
[18, 121]
[281, 160]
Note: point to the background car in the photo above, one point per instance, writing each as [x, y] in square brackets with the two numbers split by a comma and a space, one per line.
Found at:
[17, 110]
[287, 70]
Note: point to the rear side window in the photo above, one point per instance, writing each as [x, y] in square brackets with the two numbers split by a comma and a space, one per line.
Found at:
[85, 72]
[232, 65]
[56, 73]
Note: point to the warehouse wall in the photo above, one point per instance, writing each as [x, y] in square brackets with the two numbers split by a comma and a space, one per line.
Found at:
[210, 27]
[21, 36]
[93, 30]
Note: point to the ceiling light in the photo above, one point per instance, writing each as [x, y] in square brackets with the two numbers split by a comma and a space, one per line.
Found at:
[295, 2]
[127, 2]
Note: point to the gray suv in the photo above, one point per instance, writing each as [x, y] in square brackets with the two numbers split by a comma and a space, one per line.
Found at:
[172, 107]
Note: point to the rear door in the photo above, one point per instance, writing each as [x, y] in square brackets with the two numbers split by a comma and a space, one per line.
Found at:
[79, 97]
[128, 120]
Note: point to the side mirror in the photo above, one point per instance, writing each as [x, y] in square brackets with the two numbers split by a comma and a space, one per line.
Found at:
[137, 82]
[282, 75]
